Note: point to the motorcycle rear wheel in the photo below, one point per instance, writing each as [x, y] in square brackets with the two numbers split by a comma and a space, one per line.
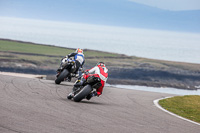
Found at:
[61, 77]
[83, 93]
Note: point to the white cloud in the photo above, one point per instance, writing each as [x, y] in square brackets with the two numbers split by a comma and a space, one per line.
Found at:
[175, 5]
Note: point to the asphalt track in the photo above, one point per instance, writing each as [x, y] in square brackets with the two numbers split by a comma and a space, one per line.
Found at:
[30, 105]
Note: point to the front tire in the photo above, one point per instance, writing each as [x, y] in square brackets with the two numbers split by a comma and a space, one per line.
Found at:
[83, 93]
[70, 96]
[61, 77]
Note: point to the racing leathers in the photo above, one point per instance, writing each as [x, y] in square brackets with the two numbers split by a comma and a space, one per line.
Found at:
[98, 71]
[79, 60]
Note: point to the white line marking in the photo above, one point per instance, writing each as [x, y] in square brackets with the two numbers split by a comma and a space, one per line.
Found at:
[157, 105]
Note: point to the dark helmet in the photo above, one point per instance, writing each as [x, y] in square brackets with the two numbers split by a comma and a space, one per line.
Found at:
[102, 64]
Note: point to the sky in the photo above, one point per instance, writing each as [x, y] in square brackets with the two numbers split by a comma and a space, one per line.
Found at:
[175, 5]
[178, 15]
[181, 16]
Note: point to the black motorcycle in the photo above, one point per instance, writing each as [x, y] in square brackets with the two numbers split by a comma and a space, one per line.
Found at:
[66, 71]
[85, 90]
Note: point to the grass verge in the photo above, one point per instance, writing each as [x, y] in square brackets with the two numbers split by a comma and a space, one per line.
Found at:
[27, 47]
[186, 106]
[44, 55]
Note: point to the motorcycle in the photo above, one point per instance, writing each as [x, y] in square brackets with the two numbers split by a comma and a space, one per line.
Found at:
[66, 71]
[81, 92]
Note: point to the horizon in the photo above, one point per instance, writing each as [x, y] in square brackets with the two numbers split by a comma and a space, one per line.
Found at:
[155, 44]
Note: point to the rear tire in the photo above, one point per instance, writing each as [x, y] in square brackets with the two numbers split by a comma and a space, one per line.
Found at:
[83, 93]
[61, 77]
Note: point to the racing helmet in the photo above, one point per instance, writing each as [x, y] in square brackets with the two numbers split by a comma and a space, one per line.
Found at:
[78, 50]
[102, 64]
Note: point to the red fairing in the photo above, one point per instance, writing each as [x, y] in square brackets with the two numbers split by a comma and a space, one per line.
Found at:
[100, 89]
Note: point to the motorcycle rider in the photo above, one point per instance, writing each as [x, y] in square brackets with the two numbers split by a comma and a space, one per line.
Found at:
[78, 58]
[100, 71]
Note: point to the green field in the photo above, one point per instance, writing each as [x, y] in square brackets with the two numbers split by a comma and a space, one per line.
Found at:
[18, 55]
[25, 47]
[186, 106]
[44, 54]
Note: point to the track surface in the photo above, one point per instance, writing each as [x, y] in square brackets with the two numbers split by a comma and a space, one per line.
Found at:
[29, 105]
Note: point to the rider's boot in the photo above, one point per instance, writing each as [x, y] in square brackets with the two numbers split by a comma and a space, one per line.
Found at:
[69, 78]
[91, 95]
[77, 74]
